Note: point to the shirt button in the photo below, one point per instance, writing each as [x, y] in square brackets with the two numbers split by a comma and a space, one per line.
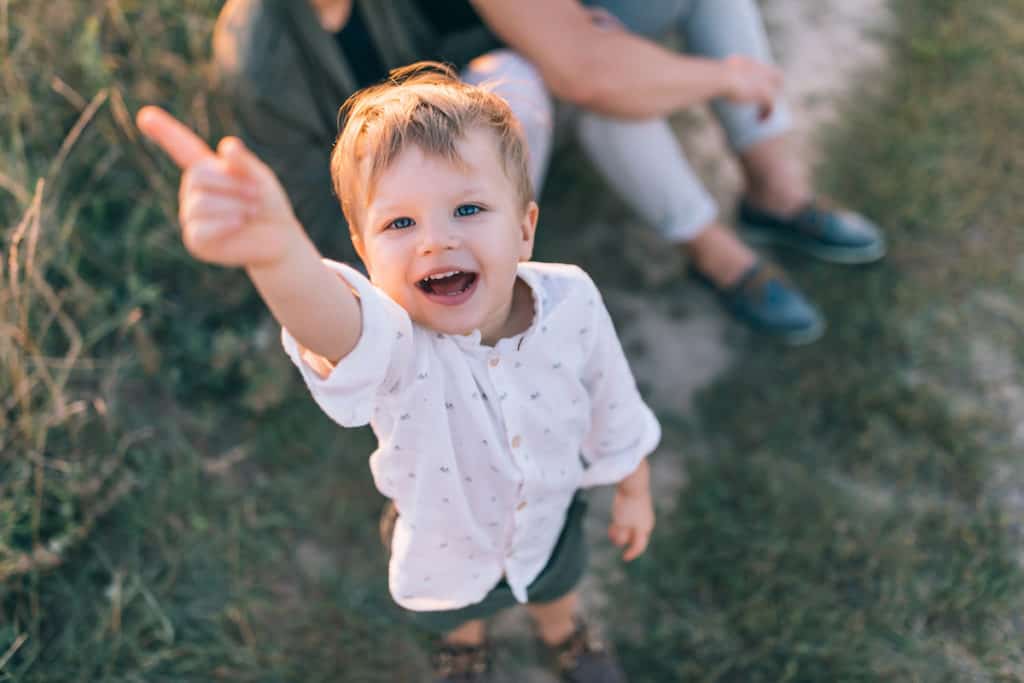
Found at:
[494, 361]
[521, 505]
[516, 441]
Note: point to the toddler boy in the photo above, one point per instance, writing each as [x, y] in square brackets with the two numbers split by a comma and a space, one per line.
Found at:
[496, 386]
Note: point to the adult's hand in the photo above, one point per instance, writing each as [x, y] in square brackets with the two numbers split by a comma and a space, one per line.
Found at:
[232, 209]
[748, 81]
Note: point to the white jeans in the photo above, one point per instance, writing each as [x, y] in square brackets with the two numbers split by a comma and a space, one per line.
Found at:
[642, 160]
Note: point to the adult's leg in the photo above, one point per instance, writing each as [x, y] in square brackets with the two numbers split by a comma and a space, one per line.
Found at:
[776, 179]
[644, 163]
[520, 84]
[647, 166]
[778, 206]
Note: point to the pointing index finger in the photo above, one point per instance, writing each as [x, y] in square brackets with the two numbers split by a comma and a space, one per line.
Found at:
[172, 136]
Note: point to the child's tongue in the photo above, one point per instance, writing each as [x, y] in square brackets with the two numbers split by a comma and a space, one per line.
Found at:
[451, 285]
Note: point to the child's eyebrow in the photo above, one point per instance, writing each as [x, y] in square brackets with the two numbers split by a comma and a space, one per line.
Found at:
[472, 190]
[390, 206]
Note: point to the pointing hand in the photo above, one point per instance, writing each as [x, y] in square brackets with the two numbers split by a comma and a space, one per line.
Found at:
[232, 209]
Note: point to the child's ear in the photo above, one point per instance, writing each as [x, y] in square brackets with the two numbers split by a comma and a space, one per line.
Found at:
[528, 228]
[357, 242]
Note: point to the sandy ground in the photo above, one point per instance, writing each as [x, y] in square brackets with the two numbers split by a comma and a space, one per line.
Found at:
[823, 46]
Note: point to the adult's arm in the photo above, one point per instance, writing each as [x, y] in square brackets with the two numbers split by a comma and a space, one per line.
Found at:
[615, 72]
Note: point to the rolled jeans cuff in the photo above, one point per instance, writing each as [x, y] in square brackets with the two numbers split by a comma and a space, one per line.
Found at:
[704, 212]
[742, 127]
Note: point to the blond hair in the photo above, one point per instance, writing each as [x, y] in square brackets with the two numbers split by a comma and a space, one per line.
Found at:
[426, 105]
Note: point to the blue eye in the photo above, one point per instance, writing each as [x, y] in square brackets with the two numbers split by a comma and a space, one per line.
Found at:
[467, 210]
[401, 223]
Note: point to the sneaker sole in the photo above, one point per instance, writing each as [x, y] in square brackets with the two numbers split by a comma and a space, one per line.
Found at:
[844, 255]
[785, 337]
[799, 337]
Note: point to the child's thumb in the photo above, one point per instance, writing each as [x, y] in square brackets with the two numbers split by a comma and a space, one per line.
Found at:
[239, 158]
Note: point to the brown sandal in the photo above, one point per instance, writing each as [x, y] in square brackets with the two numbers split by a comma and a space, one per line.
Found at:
[461, 663]
[584, 657]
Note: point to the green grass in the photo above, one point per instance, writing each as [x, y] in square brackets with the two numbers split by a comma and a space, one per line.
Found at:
[841, 523]
[173, 507]
[130, 548]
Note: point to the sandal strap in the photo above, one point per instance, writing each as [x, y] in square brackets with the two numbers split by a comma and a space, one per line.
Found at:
[459, 660]
[582, 641]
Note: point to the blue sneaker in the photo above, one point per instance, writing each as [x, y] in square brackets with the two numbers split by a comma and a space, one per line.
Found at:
[830, 234]
[767, 303]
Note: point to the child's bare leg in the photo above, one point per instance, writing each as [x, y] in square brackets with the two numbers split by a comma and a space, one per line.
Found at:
[471, 633]
[555, 620]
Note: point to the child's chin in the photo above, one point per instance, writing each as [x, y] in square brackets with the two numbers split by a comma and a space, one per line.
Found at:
[446, 326]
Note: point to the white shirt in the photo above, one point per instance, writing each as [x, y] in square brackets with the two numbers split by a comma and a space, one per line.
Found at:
[482, 448]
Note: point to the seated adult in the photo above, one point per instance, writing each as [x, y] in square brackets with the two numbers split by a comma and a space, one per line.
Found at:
[287, 66]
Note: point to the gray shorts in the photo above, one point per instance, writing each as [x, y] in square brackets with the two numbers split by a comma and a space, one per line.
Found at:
[559, 577]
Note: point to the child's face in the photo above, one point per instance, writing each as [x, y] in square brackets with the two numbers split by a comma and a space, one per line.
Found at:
[444, 240]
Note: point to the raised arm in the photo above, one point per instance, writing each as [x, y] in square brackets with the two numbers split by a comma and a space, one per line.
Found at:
[234, 212]
[615, 72]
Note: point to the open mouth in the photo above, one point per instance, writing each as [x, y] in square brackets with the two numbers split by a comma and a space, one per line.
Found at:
[451, 283]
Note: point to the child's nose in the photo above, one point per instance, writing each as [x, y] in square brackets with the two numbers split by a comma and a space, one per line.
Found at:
[438, 235]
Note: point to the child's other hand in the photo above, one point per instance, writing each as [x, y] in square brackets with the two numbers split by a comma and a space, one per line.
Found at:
[632, 521]
[232, 209]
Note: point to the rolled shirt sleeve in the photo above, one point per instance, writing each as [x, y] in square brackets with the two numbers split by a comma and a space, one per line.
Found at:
[623, 429]
[349, 394]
